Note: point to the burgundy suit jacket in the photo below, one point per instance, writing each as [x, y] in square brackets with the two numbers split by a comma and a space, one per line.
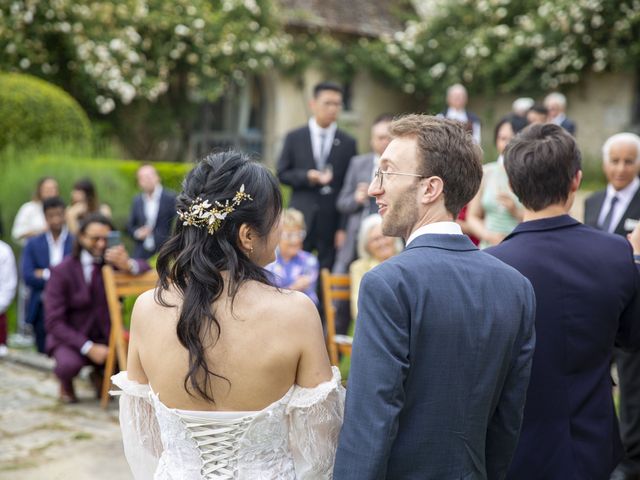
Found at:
[74, 310]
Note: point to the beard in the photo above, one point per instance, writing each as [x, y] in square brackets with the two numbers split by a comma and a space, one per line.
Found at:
[402, 216]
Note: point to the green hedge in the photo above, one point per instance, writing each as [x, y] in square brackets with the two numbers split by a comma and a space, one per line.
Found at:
[35, 112]
[115, 181]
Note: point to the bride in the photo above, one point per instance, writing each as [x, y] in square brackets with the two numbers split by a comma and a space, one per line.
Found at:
[227, 376]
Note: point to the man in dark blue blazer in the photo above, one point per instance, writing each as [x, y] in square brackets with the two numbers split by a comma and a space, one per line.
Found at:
[41, 253]
[444, 335]
[152, 213]
[587, 297]
[314, 163]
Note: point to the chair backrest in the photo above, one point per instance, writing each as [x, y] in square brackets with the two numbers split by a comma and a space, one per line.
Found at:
[334, 287]
[117, 285]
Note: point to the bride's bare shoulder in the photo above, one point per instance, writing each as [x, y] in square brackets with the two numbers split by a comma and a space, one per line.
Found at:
[288, 306]
[148, 306]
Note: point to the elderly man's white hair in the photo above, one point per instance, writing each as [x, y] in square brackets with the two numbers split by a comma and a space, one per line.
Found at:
[522, 105]
[366, 226]
[457, 86]
[626, 138]
[556, 97]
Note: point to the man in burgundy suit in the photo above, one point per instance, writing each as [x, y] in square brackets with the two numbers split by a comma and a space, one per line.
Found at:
[76, 313]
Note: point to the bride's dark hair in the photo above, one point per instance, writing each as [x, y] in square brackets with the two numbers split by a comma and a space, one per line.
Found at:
[192, 259]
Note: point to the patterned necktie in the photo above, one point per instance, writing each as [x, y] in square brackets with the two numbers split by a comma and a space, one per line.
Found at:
[606, 223]
[322, 160]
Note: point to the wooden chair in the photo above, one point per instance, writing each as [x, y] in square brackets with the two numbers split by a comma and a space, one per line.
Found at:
[335, 287]
[118, 285]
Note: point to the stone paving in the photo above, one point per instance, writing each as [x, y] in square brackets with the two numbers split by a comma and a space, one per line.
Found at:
[41, 439]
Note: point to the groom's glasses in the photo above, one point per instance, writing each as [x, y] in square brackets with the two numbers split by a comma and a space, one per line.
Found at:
[380, 176]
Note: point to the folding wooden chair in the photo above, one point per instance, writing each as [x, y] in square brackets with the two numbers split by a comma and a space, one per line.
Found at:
[118, 285]
[335, 287]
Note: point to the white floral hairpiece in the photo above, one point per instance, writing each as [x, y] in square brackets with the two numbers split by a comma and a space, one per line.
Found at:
[202, 214]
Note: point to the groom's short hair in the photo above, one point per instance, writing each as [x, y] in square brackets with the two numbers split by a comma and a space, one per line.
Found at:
[446, 150]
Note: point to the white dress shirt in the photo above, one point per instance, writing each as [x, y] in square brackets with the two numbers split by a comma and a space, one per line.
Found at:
[88, 264]
[318, 144]
[9, 276]
[151, 209]
[624, 199]
[447, 228]
[56, 251]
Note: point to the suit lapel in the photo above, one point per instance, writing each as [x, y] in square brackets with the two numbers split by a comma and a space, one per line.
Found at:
[335, 148]
[632, 212]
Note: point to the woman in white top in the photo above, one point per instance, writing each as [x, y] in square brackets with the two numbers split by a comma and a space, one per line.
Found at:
[228, 377]
[29, 221]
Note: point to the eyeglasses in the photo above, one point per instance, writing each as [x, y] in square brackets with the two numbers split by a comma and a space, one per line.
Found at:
[292, 236]
[96, 238]
[379, 175]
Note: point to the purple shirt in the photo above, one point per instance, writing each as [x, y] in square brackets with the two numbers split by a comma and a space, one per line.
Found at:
[285, 273]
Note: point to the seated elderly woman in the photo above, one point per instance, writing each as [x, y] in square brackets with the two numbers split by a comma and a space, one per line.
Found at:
[373, 249]
[294, 268]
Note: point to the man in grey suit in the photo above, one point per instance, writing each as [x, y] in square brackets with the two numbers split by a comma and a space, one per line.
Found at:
[353, 200]
[445, 337]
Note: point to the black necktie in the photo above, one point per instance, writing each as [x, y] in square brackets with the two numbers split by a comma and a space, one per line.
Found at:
[606, 223]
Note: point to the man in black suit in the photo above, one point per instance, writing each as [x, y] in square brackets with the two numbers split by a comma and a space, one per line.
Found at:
[353, 201]
[617, 210]
[556, 104]
[587, 292]
[314, 162]
[152, 213]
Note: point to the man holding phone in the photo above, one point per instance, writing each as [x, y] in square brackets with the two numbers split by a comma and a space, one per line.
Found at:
[76, 311]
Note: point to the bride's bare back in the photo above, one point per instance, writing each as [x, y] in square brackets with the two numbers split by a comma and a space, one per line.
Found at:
[271, 340]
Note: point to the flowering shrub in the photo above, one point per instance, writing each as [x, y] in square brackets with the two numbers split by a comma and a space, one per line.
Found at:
[508, 45]
[114, 52]
[109, 53]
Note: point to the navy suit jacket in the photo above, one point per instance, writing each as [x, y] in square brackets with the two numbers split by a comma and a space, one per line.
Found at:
[36, 257]
[163, 225]
[440, 366]
[587, 297]
[297, 159]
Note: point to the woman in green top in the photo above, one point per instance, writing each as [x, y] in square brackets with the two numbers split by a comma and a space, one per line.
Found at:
[495, 210]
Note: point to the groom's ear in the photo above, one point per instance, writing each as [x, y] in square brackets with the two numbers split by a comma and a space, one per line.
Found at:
[432, 189]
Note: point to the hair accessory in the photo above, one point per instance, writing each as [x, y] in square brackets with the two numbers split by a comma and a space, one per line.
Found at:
[202, 214]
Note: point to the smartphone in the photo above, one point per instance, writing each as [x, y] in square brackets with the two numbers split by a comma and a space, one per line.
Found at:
[113, 238]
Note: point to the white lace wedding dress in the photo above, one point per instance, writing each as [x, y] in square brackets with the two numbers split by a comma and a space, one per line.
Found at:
[293, 438]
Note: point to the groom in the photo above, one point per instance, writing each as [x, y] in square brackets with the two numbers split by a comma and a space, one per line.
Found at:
[445, 333]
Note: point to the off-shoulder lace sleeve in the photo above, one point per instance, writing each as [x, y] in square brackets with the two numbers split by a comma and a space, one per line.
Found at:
[140, 430]
[315, 417]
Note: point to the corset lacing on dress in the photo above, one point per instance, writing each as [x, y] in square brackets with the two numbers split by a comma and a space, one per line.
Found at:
[218, 442]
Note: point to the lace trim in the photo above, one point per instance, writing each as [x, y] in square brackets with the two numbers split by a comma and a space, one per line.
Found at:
[305, 397]
[218, 443]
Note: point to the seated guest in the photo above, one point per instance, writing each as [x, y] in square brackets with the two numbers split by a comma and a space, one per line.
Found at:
[495, 210]
[76, 311]
[84, 200]
[587, 292]
[373, 249]
[40, 254]
[9, 276]
[294, 268]
[29, 220]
